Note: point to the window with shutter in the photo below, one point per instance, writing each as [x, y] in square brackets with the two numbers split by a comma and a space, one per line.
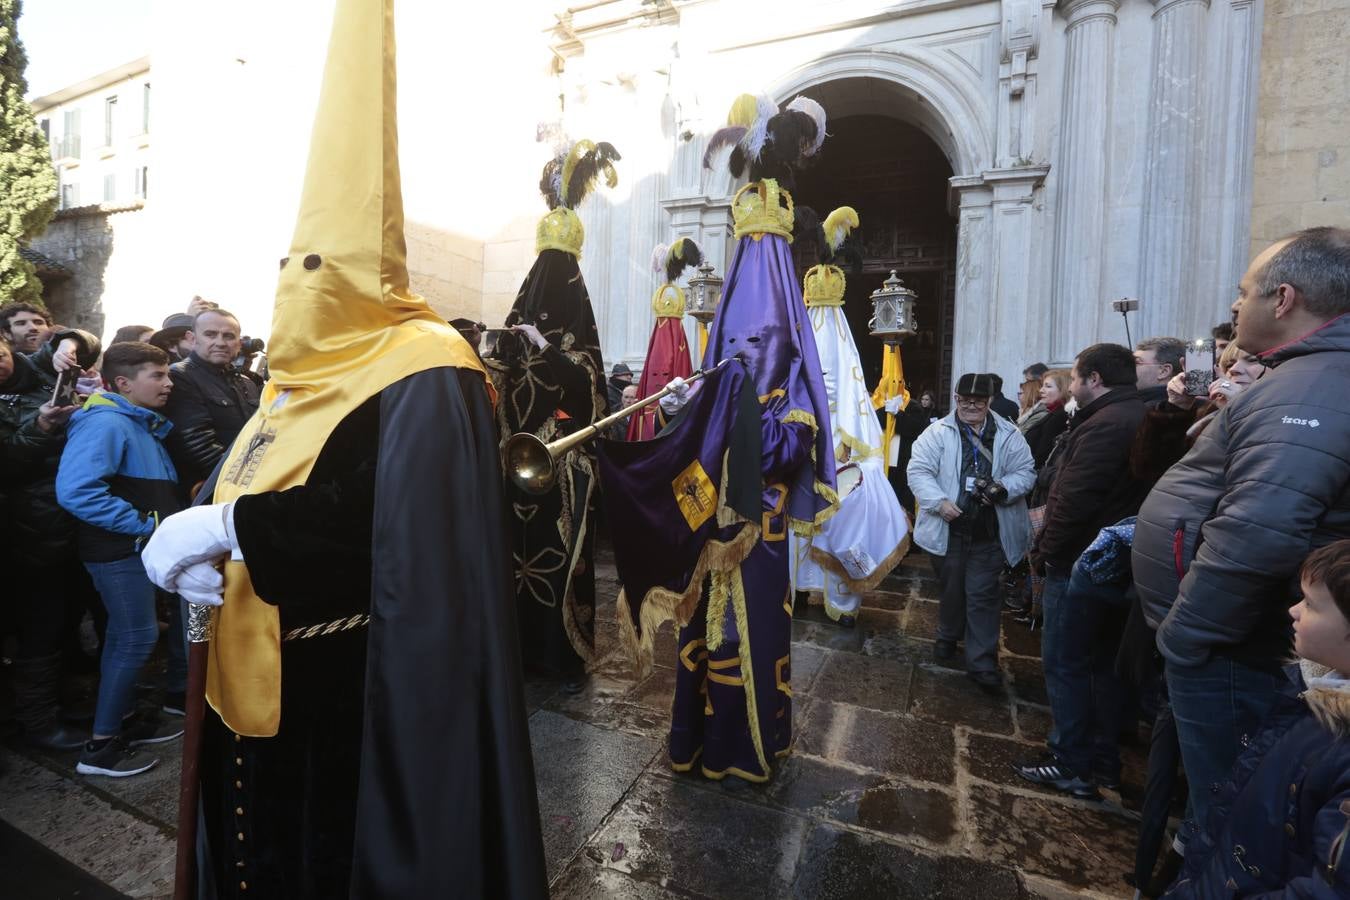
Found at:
[109, 188]
[109, 117]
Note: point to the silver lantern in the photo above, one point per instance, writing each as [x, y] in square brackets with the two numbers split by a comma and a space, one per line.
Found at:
[893, 317]
[705, 292]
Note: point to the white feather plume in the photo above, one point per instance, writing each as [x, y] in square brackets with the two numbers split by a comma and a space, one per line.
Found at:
[816, 112]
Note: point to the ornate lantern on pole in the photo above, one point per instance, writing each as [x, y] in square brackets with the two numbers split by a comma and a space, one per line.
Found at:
[705, 292]
[892, 320]
[893, 317]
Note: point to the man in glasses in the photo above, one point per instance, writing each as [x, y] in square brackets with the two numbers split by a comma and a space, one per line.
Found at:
[969, 472]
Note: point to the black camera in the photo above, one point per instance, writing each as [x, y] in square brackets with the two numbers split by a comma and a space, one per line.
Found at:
[249, 346]
[988, 491]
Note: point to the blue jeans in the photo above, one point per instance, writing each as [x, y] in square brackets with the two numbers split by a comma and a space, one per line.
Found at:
[1218, 707]
[129, 598]
[1083, 624]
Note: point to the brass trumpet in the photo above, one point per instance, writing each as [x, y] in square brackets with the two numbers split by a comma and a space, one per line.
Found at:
[533, 465]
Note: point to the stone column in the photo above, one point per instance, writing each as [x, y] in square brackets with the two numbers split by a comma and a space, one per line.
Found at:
[972, 336]
[1081, 171]
[1173, 169]
[1237, 136]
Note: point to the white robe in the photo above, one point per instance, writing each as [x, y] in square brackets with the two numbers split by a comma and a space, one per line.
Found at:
[869, 533]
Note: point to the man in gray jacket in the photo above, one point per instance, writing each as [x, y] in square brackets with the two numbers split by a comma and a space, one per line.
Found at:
[1219, 540]
[970, 472]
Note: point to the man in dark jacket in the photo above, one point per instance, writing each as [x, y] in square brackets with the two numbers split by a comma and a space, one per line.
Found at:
[1092, 489]
[44, 576]
[1001, 404]
[1221, 535]
[210, 400]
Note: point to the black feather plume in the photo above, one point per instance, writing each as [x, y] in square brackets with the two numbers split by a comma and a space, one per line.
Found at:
[548, 182]
[806, 223]
[690, 256]
[722, 137]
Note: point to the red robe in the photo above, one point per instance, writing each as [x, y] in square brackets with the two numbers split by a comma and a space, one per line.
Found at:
[667, 358]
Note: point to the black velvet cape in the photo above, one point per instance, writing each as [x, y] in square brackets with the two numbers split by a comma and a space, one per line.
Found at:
[402, 766]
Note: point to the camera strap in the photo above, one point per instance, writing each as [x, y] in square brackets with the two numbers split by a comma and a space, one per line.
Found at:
[977, 442]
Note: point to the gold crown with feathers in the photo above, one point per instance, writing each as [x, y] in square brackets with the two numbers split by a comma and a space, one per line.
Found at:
[568, 178]
[824, 283]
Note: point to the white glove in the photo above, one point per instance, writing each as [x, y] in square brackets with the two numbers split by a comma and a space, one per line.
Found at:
[199, 534]
[895, 404]
[201, 583]
[679, 395]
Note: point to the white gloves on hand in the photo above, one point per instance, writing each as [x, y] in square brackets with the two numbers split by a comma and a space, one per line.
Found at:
[895, 405]
[201, 583]
[187, 543]
[679, 395]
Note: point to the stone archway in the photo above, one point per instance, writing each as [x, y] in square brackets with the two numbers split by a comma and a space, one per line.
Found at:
[996, 313]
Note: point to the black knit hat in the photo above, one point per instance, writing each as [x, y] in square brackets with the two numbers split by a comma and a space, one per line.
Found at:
[975, 384]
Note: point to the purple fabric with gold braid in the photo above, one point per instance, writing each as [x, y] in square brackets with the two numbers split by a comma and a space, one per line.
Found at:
[732, 713]
[763, 319]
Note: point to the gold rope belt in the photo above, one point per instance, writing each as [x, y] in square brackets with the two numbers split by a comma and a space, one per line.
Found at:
[347, 623]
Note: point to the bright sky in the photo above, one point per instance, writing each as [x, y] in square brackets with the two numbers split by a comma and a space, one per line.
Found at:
[70, 40]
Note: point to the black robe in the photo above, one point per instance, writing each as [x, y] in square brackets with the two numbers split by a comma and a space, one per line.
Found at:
[402, 765]
[552, 539]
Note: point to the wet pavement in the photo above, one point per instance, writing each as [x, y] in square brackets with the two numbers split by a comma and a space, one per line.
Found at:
[900, 783]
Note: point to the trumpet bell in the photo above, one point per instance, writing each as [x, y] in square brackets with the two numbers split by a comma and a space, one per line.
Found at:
[529, 463]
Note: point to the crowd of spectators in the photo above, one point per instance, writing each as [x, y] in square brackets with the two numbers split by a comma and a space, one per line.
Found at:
[1181, 535]
[97, 445]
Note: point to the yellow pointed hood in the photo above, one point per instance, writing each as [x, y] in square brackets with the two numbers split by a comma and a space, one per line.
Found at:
[345, 327]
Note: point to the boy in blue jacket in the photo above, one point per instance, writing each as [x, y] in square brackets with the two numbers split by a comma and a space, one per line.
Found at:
[115, 478]
[1279, 828]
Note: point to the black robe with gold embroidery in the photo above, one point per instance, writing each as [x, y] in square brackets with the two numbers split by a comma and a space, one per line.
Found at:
[553, 393]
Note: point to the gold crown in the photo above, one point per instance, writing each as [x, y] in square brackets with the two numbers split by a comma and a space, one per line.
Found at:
[824, 286]
[668, 302]
[562, 230]
[756, 211]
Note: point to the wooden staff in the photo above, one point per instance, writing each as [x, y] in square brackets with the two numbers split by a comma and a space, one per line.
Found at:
[189, 784]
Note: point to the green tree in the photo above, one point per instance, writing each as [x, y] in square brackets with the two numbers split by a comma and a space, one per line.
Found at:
[27, 180]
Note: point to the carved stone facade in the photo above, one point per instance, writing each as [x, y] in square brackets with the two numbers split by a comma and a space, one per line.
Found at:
[1098, 149]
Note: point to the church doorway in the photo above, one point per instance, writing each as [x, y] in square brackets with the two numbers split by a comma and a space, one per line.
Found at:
[896, 178]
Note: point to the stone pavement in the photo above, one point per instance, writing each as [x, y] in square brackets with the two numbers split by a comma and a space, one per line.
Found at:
[900, 783]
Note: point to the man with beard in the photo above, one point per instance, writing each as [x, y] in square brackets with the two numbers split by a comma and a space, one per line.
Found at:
[24, 325]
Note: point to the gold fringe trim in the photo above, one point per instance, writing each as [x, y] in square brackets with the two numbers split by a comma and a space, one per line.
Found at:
[860, 448]
[801, 526]
[663, 605]
[747, 672]
[720, 586]
[826, 561]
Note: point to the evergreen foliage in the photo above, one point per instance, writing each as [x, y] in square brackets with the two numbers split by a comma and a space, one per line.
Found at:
[27, 180]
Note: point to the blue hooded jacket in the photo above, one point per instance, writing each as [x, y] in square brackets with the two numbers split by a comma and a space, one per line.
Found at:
[116, 477]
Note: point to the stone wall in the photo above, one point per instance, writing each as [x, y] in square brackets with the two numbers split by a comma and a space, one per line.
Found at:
[108, 248]
[1302, 164]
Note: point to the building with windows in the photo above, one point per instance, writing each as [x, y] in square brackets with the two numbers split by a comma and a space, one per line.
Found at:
[99, 133]
[1020, 163]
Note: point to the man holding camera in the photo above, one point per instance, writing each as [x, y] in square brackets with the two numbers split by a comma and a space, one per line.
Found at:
[1092, 489]
[211, 399]
[969, 472]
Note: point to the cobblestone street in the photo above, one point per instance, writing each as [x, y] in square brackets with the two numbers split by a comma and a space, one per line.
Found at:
[900, 783]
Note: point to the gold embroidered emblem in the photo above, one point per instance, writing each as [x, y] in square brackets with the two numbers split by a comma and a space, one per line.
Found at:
[695, 495]
[246, 465]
